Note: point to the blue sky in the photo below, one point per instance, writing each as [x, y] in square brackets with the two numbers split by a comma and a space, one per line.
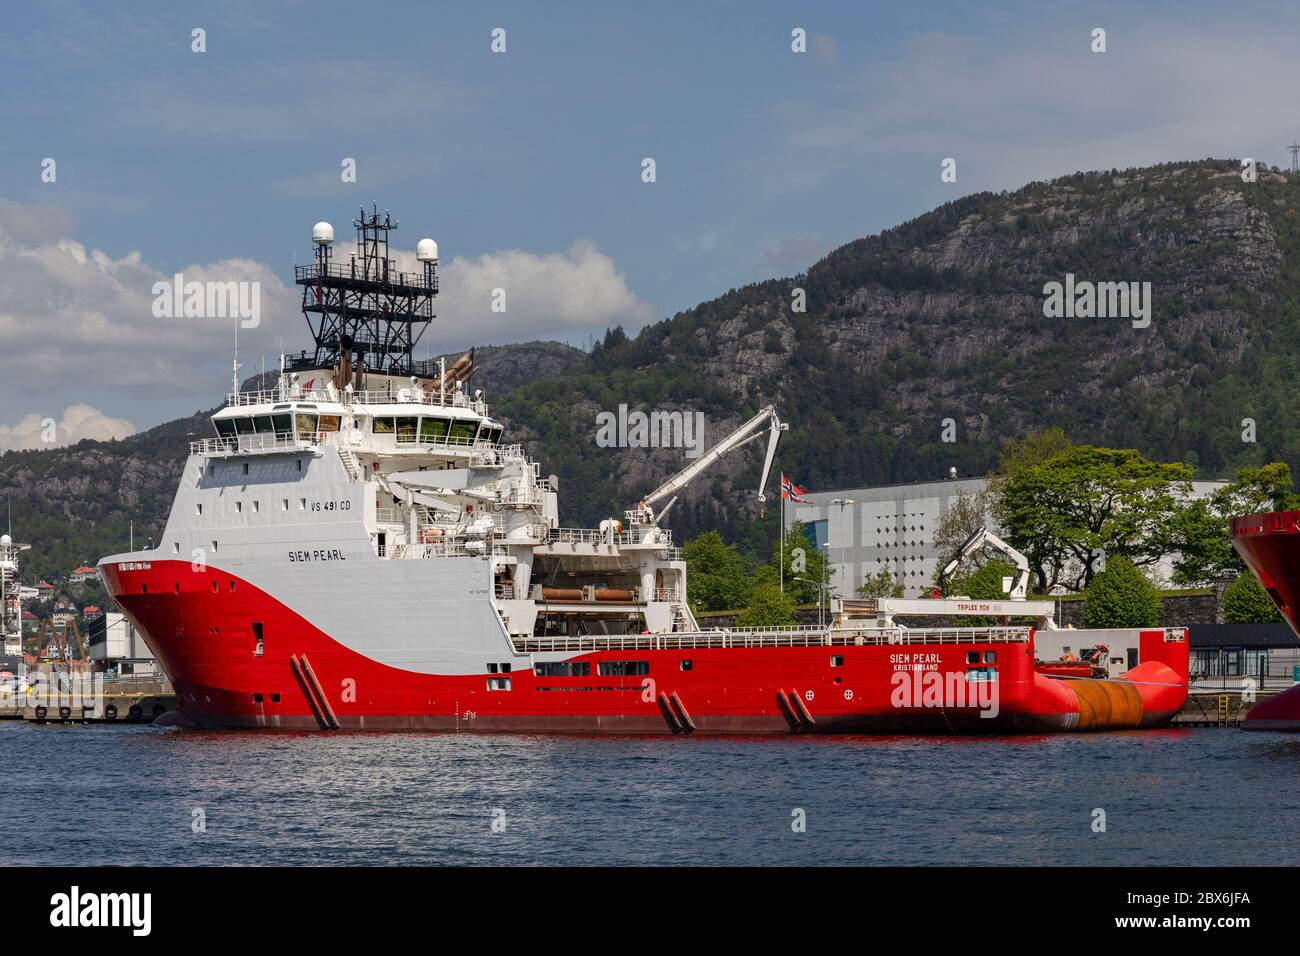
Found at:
[526, 165]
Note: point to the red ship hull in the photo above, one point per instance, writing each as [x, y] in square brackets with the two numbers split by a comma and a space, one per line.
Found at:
[1270, 546]
[306, 679]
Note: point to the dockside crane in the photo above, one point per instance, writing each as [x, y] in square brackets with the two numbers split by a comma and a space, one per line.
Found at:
[977, 542]
[644, 515]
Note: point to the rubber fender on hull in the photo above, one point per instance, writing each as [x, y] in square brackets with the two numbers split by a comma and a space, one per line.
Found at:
[1106, 704]
[669, 715]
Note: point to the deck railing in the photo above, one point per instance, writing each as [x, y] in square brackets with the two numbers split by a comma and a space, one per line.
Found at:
[623, 538]
[258, 443]
[773, 637]
[400, 396]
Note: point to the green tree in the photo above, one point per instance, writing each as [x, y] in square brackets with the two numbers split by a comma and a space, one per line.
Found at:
[803, 560]
[985, 584]
[1202, 529]
[1121, 596]
[1246, 602]
[881, 584]
[1035, 448]
[965, 514]
[768, 607]
[717, 575]
[1063, 511]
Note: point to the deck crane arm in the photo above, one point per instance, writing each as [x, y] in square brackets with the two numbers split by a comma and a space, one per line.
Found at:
[986, 538]
[643, 513]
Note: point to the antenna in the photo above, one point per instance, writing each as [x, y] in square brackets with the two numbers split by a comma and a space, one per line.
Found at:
[234, 366]
[1295, 157]
[366, 311]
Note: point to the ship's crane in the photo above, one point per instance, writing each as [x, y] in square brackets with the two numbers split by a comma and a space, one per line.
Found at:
[643, 514]
[977, 542]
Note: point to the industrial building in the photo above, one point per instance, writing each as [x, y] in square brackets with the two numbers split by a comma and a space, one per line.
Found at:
[114, 642]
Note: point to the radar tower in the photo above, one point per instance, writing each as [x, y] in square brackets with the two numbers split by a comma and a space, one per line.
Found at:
[365, 311]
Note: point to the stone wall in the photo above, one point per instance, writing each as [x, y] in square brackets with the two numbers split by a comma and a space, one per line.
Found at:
[1176, 610]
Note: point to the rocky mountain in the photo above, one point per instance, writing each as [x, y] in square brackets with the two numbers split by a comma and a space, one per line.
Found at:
[894, 357]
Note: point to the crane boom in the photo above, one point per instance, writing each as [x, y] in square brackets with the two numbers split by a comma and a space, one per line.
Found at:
[643, 514]
[976, 542]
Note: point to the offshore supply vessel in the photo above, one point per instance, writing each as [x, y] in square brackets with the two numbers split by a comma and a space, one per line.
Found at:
[359, 547]
[1270, 546]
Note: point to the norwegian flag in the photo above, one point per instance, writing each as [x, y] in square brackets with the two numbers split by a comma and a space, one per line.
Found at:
[792, 492]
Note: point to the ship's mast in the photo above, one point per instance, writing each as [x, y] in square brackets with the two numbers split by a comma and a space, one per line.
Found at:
[366, 314]
[11, 616]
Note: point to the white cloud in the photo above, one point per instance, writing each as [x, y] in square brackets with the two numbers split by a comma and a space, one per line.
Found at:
[547, 295]
[78, 423]
[74, 319]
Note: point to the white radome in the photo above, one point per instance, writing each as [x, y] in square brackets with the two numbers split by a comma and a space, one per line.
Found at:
[5, 541]
[322, 233]
[426, 250]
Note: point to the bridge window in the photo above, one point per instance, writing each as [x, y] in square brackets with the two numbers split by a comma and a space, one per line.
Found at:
[330, 423]
[406, 429]
[490, 435]
[243, 426]
[462, 433]
[225, 428]
[433, 430]
[306, 425]
[263, 424]
[382, 426]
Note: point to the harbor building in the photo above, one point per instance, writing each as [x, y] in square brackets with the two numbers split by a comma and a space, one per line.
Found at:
[114, 642]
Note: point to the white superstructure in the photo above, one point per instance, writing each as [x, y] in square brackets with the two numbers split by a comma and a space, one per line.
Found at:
[11, 614]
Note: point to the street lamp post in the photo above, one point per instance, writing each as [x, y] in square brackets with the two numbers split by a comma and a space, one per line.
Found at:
[821, 590]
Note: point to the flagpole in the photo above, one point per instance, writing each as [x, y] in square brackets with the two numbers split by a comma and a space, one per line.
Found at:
[781, 562]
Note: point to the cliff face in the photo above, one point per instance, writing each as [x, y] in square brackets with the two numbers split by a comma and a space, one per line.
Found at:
[939, 319]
